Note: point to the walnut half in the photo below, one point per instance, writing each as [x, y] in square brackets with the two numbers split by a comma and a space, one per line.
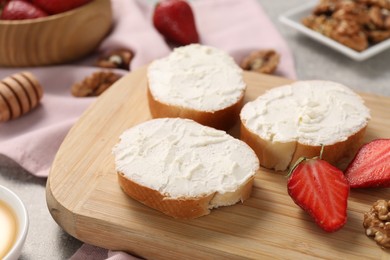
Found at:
[262, 61]
[95, 84]
[118, 58]
[377, 223]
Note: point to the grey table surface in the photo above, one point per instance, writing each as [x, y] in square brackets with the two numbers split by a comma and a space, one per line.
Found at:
[46, 240]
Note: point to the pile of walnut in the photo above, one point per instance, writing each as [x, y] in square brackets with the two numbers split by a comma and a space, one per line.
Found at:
[354, 23]
[377, 223]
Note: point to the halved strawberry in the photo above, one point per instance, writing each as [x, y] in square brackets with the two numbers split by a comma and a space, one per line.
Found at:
[321, 190]
[371, 165]
[175, 20]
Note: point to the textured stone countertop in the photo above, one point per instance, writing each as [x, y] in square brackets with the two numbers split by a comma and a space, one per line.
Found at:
[46, 240]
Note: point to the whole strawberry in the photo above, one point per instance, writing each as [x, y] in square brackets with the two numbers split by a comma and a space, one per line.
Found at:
[175, 20]
[58, 6]
[20, 10]
[321, 190]
[371, 166]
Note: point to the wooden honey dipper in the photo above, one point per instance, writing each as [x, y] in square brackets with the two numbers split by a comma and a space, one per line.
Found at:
[19, 93]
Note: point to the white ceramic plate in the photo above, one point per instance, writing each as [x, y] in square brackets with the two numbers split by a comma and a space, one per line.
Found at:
[293, 19]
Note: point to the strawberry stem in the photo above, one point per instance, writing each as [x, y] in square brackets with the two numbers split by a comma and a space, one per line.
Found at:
[301, 159]
[322, 150]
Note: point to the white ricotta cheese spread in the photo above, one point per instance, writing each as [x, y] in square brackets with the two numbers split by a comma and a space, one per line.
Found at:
[197, 77]
[309, 112]
[181, 158]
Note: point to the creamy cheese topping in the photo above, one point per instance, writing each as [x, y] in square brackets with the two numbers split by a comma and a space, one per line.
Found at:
[181, 158]
[196, 77]
[310, 112]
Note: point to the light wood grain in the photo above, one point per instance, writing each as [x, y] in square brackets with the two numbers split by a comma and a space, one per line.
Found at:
[55, 39]
[20, 93]
[85, 199]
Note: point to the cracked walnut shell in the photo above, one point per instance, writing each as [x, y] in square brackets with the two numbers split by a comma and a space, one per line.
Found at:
[377, 223]
[95, 84]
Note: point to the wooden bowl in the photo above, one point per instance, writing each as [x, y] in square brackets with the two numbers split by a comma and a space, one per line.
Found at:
[55, 39]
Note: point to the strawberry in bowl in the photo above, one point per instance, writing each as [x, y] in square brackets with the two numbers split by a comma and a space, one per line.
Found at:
[58, 6]
[40, 36]
[23, 9]
[20, 10]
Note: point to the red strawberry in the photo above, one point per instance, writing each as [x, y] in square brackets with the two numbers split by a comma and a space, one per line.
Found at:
[59, 6]
[371, 165]
[20, 10]
[175, 20]
[321, 190]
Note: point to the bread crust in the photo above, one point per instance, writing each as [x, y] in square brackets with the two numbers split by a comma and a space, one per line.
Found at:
[281, 156]
[183, 208]
[337, 154]
[222, 119]
[268, 153]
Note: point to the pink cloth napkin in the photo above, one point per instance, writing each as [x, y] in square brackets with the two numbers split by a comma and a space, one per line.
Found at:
[237, 27]
[89, 252]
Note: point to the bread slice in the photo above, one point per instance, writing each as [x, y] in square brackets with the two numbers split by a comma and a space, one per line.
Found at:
[197, 82]
[182, 168]
[293, 121]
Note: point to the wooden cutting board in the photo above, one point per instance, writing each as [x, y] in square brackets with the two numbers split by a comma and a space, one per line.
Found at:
[85, 199]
